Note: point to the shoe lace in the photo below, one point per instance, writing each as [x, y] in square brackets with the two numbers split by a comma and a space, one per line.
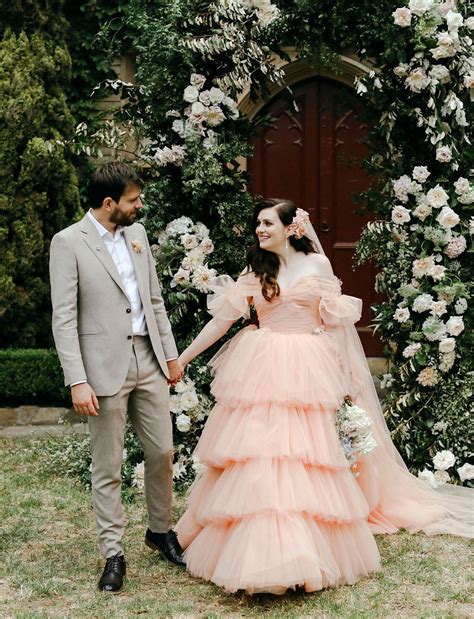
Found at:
[114, 563]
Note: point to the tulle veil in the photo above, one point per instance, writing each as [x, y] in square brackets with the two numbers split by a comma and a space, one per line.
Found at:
[397, 499]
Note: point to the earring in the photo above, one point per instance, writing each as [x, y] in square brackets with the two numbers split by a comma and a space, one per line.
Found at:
[286, 243]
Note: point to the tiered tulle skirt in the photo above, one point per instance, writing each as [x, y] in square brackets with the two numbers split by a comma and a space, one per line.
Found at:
[278, 506]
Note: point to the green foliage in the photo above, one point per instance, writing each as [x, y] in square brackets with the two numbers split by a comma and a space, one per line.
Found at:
[38, 187]
[31, 376]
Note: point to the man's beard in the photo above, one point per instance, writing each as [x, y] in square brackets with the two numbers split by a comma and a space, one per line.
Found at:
[121, 219]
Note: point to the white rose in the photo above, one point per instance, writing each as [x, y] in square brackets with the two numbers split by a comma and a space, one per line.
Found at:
[197, 80]
[438, 308]
[402, 17]
[455, 325]
[400, 215]
[437, 197]
[437, 272]
[183, 423]
[205, 98]
[462, 185]
[180, 277]
[466, 471]
[423, 303]
[401, 186]
[214, 116]
[444, 460]
[444, 154]
[447, 345]
[206, 246]
[182, 127]
[175, 404]
[422, 211]
[428, 477]
[202, 277]
[184, 385]
[445, 39]
[420, 173]
[197, 108]
[442, 477]
[423, 266]
[428, 377]
[216, 95]
[439, 74]
[460, 306]
[447, 217]
[417, 80]
[194, 259]
[411, 350]
[441, 52]
[229, 103]
[454, 20]
[189, 241]
[402, 314]
[445, 7]
[189, 400]
[191, 94]
[469, 23]
[401, 70]
[418, 7]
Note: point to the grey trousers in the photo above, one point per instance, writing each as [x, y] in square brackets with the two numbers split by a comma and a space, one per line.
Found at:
[145, 397]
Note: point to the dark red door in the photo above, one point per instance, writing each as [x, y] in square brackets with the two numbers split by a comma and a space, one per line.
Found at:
[313, 156]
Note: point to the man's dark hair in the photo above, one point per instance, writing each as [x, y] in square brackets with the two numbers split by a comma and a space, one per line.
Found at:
[110, 181]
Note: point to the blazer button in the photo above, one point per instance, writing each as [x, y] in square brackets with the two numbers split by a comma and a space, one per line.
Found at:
[129, 337]
[128, 310]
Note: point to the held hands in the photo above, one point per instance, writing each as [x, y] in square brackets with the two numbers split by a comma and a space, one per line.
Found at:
[175, 370]
[84, 400]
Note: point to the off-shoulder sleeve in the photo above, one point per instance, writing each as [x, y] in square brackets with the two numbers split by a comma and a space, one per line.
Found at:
[340, 309]
[229, 299]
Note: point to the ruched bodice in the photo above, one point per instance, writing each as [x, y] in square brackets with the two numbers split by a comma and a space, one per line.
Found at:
[295, 310]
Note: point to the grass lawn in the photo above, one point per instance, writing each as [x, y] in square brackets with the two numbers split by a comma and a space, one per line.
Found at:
[49, 564]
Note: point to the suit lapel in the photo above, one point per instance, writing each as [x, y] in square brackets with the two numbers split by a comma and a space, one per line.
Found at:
[100, 251]
[136, 255]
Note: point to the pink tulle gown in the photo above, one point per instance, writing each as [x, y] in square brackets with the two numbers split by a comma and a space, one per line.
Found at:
[278, 506]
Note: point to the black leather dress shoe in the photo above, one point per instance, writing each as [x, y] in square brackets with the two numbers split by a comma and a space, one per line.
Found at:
[113, 574]
[167, 544]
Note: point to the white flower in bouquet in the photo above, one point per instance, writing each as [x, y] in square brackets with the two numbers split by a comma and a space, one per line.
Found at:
[200, 230]
[402, 17]
[175, 404]
[445, 7]
[466, 198]
[454, 20]
[401, 70]
[193, 260]
[189, 241]
[202, 277]
[446, 361]
[191, 94]
[448, 344]
[419, 7]
[365, 445]
[444, 460]
[455, 325]
[138, 477]
[443, 51]
[469, 23]
[197, 80]
[179, 468]
[206, 246]
[198, 110]
[434, 329]
[420, 173]
[438, 308]
[422, 211]
[180, 277]
[267, 14]
[437, 197]
[386, 381]
[214, 116]
[401, 186]
[402, 314]
[456, 247]
[428, 477]
[428, 377]
[186, 384]
[189, 400]
[205, 97]
[423, 303]
[440, 426]
[179, 226]
[183, 422]
[162, 238]
[444, 154]
[438, 272]
[411, 350]
[183, 127]
[423, 266]
[439, 74]
[466, 472]
[400, 215]
[216, 95]
[415, 188]
[460, 306]
[356, 420]
[417, 80]
[442, 477]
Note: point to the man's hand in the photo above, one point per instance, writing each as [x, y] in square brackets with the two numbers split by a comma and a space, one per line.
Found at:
[175, 370]
[84, 400]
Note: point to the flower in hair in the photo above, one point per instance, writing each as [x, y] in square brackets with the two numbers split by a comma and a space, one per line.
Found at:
[297, 228]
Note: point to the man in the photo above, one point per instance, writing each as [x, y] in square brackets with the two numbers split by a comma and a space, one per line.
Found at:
[118, 353]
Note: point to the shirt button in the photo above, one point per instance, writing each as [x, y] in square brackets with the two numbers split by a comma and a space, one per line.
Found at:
[129, 337]
[128, 310]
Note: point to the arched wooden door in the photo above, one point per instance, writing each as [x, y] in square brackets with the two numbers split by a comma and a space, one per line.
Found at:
[313, 156]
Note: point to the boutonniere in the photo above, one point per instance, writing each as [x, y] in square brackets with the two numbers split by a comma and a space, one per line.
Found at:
[137, 247]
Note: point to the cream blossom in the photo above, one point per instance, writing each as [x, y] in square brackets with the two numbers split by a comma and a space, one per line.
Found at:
[179, 467]
[189, 241]
[183, 422]
[402, 17]
[216, 95]
[180, 277]
[469, 23]
[448, 344]
[444, 460]
[401, 70]
[447, 217]
[439, 74]
[456, 247]
[138, 477]
[469, 80]
[205, 98]
[423, 303]
[191, 94]
[197, 80]
[401, 186]
[434, 329]
[428, 477]
[437, 272]
[445, 7]
[438, 308]
[200, 230]
[411, 350]
[460, 306]
[417, 80]
[420, 173]
[423, 266]
[175, 403]
[202, 277]
[418, 7]
[442, 477]
[194, 259]
[214, 116]
[455, 325]
[183, 385]
[466, 472]
[440, 426]
[462, 185]
[453, 20]
[437, 197]
[446, 361]
[443, 51]
[428, 377]
[189, 399]
[400, 215]
[206, 246]
[422, 211]
[444, 154]
[402, 314]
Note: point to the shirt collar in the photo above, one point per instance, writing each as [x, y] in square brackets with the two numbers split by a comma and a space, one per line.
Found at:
[100, 228]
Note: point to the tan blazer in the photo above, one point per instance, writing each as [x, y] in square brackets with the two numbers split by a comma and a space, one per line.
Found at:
[92, 319]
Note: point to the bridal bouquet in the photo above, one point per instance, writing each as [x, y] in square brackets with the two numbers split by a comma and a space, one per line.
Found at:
[354, 428]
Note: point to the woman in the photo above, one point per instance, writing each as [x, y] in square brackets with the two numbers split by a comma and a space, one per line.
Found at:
[278, 506]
